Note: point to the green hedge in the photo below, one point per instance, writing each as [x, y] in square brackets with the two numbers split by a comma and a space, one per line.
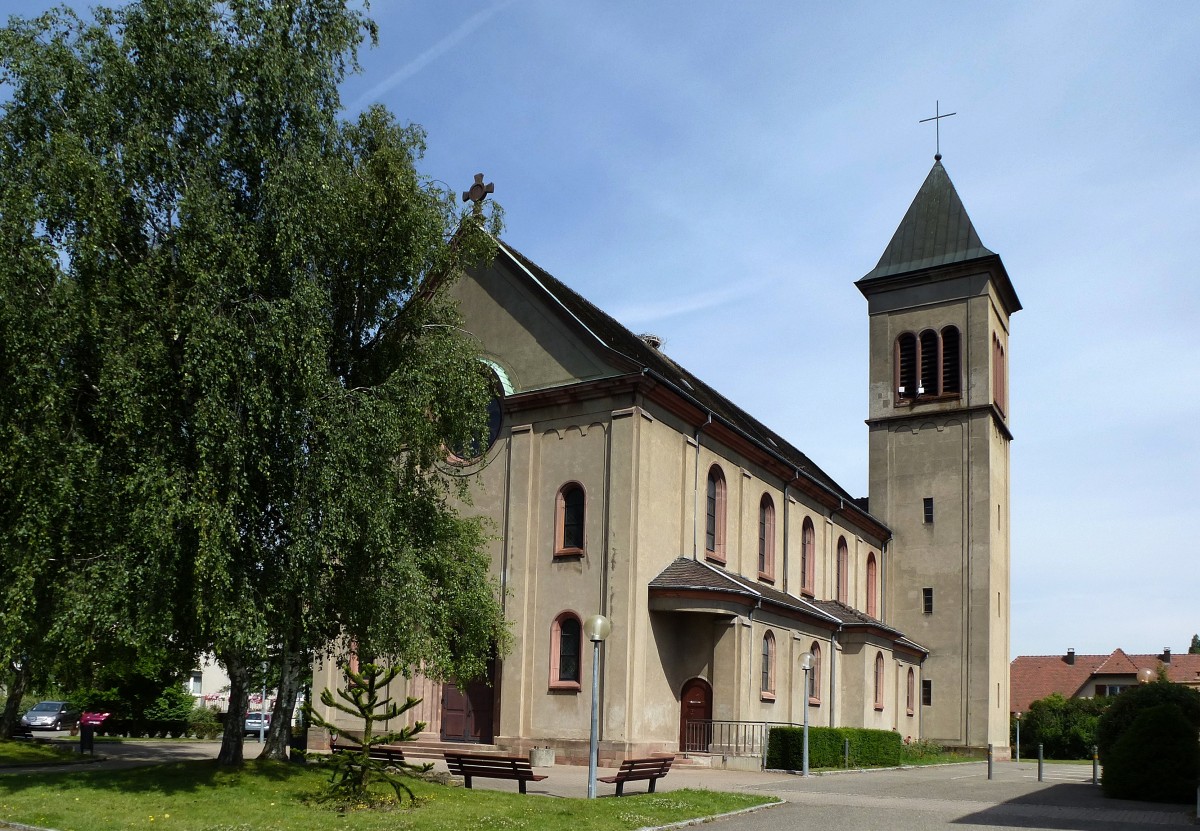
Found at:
[868, 748]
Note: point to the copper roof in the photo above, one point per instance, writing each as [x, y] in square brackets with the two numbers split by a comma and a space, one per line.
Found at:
[935, 231]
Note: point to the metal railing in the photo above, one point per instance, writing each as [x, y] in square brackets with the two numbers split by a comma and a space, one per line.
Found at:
[729, 738]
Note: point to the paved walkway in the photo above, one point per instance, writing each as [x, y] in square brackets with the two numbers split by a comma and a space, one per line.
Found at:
[956, 797]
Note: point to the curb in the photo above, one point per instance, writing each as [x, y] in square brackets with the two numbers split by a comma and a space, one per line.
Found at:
[687, 823]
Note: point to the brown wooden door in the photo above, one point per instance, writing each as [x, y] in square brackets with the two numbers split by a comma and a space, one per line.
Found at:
[695, 706]
[467, 713]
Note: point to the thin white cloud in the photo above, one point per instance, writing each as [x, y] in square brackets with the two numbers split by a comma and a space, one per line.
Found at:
[431, 54]
[637, 314]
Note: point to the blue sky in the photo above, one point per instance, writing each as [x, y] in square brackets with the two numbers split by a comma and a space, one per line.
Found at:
[721, 174]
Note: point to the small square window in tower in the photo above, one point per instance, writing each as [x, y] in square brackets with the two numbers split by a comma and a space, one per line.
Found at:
[927, 506]
[927, 692]
[927, 600]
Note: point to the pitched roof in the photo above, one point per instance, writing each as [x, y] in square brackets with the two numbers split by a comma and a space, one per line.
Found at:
[1032, 677]
[695, 575]
[625, 343]
[1118, 663]
[935, 231]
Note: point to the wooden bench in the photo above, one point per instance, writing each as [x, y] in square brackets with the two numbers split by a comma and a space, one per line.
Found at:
[631, 770]
[387, 752]
[488, 766]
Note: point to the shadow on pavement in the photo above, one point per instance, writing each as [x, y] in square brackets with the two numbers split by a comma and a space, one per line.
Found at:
[1078, 807]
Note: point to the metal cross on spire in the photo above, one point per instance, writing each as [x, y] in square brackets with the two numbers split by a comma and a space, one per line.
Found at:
[478, 192]
[937, 124]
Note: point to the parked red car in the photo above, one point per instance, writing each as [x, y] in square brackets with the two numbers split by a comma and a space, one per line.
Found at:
[93, 719]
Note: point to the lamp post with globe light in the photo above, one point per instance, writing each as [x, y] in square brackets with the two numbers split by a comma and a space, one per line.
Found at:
[806, 663]
[1018, 736]
[597, 628]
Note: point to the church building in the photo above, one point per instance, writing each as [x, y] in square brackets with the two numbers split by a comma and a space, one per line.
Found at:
[619, 483]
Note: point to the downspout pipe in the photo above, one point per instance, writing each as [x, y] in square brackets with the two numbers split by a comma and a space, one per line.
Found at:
[833, 651]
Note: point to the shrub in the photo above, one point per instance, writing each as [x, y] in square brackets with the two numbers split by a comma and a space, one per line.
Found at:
[868, 748]
[1156, 758]
[1065, 727]
[203, 723]
[1125, 708]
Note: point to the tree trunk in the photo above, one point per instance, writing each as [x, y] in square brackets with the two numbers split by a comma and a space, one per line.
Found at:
[279, 734]
[12, 707]
[235, 719]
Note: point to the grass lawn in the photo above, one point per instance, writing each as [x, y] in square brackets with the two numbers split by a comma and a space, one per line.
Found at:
[18, 753]
[273, 796]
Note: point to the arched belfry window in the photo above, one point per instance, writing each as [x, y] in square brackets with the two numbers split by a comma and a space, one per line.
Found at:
[928, 382]
[714, 515]
[569, 512]
[928, 365]
[766, 538]
[951, 362]
[906, 366]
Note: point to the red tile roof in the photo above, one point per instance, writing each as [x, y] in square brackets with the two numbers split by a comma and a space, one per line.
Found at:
[1036, 676]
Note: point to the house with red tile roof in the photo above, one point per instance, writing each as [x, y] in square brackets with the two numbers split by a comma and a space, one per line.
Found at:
[1033, 677]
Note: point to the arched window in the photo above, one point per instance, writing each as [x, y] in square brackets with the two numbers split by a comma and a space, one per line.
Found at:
[928, 365]
[714, 516]
[878, 680]
[766, 538]
[566, 647]
[906, 366]
[814, 674]
[911, 692]
[808, 556]
[928, 382]
[872, 586]
[951, 362]
[568, 520]
[999, 375]
[843, 565]
[768, 666]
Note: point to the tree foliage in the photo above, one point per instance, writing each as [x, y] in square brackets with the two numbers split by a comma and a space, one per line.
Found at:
[230, 368]
[1194, 649]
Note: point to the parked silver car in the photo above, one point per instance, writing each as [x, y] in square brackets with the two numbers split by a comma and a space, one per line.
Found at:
[51, 715]
[256, 720]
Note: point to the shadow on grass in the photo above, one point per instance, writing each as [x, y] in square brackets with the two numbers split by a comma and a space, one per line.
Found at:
[1077, 807]
[168, 779]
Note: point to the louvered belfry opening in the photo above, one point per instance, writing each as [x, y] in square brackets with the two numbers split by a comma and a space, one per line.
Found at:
[928, 383]
[951, 361]
[906, 363]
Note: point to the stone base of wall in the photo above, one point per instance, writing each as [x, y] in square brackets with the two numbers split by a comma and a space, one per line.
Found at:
[575, 751]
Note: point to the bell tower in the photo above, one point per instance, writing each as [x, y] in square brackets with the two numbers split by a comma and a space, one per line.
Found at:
[939, 305]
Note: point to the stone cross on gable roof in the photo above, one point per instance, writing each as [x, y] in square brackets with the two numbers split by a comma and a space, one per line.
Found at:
[478, 192]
